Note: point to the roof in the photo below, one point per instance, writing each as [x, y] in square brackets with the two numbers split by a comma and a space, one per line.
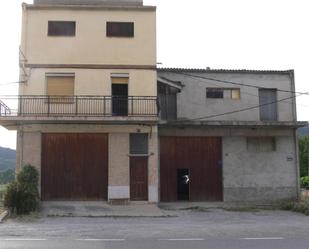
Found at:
[88, 7]
[172, 83]
[89, 2]
[208, 70]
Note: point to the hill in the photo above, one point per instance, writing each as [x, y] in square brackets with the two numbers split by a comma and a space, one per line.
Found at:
[304, 131]
[7, 159]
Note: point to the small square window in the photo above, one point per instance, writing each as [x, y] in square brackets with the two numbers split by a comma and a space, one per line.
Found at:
[139, 143]
[61, 28]
[235, 93]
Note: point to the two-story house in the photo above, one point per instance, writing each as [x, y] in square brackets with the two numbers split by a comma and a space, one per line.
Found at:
[87, 110]
[87, 114]
[228, 135]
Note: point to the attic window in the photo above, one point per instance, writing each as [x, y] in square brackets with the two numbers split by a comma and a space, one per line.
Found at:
[120, 29]
[61, 28]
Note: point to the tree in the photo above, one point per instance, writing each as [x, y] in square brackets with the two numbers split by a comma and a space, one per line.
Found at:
[303, 155]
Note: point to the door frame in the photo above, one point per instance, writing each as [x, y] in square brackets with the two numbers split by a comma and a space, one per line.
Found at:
[147, 177]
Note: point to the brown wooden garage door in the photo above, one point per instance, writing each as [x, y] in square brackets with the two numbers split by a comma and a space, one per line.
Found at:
[74, 166]
[201, 158]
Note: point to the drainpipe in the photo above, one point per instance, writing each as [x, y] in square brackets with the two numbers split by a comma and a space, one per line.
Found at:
[292, 78]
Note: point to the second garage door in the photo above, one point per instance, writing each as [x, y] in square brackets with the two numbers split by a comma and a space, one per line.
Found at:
[190, 169]
[74, 166]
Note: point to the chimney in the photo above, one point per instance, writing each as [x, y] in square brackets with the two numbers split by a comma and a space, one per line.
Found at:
[90, 2]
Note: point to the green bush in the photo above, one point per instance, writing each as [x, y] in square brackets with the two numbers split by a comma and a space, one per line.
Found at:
[304, 182]
[21, 196]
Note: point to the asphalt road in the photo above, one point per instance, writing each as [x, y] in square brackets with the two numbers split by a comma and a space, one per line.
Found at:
[212, 229]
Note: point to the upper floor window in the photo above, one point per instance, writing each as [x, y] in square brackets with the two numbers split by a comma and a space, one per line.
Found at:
[223, 93]
[268, 104]
[61, 28]
[120, 29]
[60, 87]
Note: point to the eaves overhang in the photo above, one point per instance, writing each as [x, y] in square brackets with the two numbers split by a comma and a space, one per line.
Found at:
[235, 124]
[12, 123]
[176, 84]
[86, 7]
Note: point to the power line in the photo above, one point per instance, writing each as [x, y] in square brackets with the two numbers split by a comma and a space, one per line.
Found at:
[238, 84]
[236, 111]
[14, 82]
[254, 95]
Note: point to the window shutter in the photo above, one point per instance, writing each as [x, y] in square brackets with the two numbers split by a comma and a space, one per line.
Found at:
[235, 93]
[120, 80]
[60, 86]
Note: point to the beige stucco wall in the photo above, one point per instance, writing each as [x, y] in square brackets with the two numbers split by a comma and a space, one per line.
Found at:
[90, 45]
[29, 151]
[153, 166]
[118, 166]
[94, 81]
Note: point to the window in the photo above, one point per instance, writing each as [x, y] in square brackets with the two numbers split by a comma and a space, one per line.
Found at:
[120, 29]
[214, 93]
[268, 104]
[223, 93]
[61, 28]
[139, 143]
[261, 144]
[235, 93]
[60, 88]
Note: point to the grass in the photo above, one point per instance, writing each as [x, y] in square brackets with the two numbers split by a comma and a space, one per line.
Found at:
[301, 206]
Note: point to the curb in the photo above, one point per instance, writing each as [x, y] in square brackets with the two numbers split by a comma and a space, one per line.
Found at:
[3, 215]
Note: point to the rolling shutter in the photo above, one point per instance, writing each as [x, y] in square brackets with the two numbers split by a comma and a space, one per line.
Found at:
[60, 85]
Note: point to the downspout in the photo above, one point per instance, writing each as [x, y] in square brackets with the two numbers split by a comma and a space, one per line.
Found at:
[295, 136]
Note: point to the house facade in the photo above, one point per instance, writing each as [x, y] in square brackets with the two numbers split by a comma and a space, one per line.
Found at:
[87, 108]
[232, 131]
[101, 122]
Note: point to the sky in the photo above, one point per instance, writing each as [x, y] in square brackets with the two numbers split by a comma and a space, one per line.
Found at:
[229, 34]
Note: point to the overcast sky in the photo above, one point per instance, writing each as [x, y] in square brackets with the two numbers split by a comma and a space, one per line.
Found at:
[231, 34]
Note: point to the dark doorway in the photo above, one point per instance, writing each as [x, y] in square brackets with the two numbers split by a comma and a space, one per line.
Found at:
[138, 178]
[183, 184]
[120, 99]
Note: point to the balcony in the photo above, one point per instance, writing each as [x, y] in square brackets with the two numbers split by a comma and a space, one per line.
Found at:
[78, 108]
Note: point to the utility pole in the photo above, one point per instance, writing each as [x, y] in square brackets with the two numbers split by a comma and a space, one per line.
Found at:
[308, 158]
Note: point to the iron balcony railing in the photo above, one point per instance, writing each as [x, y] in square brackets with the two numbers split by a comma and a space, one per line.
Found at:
[4, 109]
[35, 105]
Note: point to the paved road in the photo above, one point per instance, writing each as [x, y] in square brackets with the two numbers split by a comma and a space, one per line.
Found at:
[213, 229]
